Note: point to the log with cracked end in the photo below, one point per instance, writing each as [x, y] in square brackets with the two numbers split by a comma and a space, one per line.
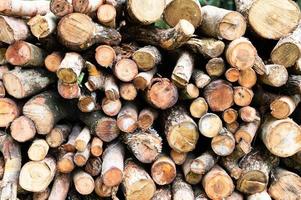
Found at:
[22, 129]
[169, 39]
[38, 150]
[83, 182]
[42, 26]
[35, 176]
[77, 31]
[277, 21]
[163, 170]
[60, 187]
[146, 145]
[276, 75]
[147, 57]
[242, 96]
[208, 47]
[9, 111]
[146, 118]
[181, 189]
[221, 23]
[96, 78]
[190, 176]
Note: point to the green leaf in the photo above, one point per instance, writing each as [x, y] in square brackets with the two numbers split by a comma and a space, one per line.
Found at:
[80, 78]
[161, 24]
[299, 2]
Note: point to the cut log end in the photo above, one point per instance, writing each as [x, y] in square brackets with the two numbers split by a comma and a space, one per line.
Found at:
[125, 70]
[53, 61]
[61, 7]
[22, 129]
[105, 55]
[8, 111]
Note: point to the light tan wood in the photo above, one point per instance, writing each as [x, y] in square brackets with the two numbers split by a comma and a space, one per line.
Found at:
[276, 75]
[23, 8]
[210, 125]
[246, 133]
[146, 118]
[125, 70]
[190, 177]
[58, 135]
[22, 129]
[86, 6]
[147, 57]
[143, 79]
[163, 170]
[38, 150]
[284, 106]
[9, 111]
[53, 61]
[203, 163]
[128, 91]
[198, 107]
[232, 74]
[127, 118]
[230, 115]
[96, 147]
[105, 55]
[242, 96]
[247, 78]
[178, 157]
[83, 182]
[65, 163]
[60, 187]
[42, 26]
[190, 91]
[82, 139]
[224, 143]
[106, 15]
[183, 70]
[81, 157]
[61, 7]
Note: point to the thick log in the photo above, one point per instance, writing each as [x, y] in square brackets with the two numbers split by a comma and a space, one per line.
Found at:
[247, 78]
[93, 166]
[190, 91]
[35, 176]
[203, 163]
[125, 70]
[219, 95]
[78, 32]
[217, 183]
[181, 189]
[147, 57]
[224, 143]
[42, 26]
[106, 15]
[278, 141]
[105, 56]
[180, 130]
[200, 78]
[169, 39]
[145, 12]
[178, 157]
[9, 111]
[60, 187]
[134, 177]
[83, 182]
[113, 164]
[163, 170]
[22, 129]
[276, 21]
[198, 107]
[210, 125]
[162, 93]
[128, 91]
[52, 61]
[183, 70]
[190, 11]
[276, 75]
[146, 145]
[163, 193]
[189, 176]
[38, 150]
[221, 23]
[96, 147]
[256, 167]
[81, 157]
[45, 110]
[127, 118]
[86, 6]
[146, 118]
[208, 47]
[143, 79]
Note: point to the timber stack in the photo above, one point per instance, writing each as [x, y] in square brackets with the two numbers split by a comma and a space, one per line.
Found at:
[150, 100]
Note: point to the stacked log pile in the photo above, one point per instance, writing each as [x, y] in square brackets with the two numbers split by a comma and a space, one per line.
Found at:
[150, 100]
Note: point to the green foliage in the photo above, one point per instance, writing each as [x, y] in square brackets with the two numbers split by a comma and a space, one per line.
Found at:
[299, 2]
[161, 24]
[227, 4]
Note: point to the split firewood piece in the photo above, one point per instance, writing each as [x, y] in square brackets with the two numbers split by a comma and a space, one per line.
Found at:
[135, 177]
[232, 74]
[86, 6]
[241, 53]
[145, 12]
[190, 11]
[96, 79]
[277, 21]
[35, 176]
[45, 110]
[259, 196]
[224, 143]
[162, 193]
[61, 7]
[208, 47]
[127, 118]
[230, 115]
[68, 91]
[21, 83]
[190, 91]
[162, 93]
[125, 70]
[44, 195]
[52, 61]
[143, 79]
[81, 157]
[180, 130]
[42, 26]
[242, 96]
[106, 15]
[87, 102]
[247, 78]
[248, 114]
[169, 39]
[12, 156]
[111, 88]
[221, 23]
[204, 163]
[24, 54]
[288, 49]
[102, 126]
[189, 176]
[284, 106]
[105, 56]
[246, 133]
[215, 67]
[65, 163]
[70, 68]
[146, 145]
[231, 162]
[237, 196]
[96, 147]
[232, 127]
[210, 125]
[38, 150]
[23, 8]
[69, 146]
[181, 189]
[285, 144]
[285, 185]
[77, 31]
[219, 95]
[93, 166]
[178, 157]
[22, 129]
[83, 182]
[111, 107]
[128, 91]
[276, 75]
[14, 29]
[256, 167]
[200, 78]
[163, 170]
[9, 111]
[147, 57]
[113, 164]
[60, 187]
[217, 183]
[183, 70]
[146, 118]
[102, 190]
[82, 140]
